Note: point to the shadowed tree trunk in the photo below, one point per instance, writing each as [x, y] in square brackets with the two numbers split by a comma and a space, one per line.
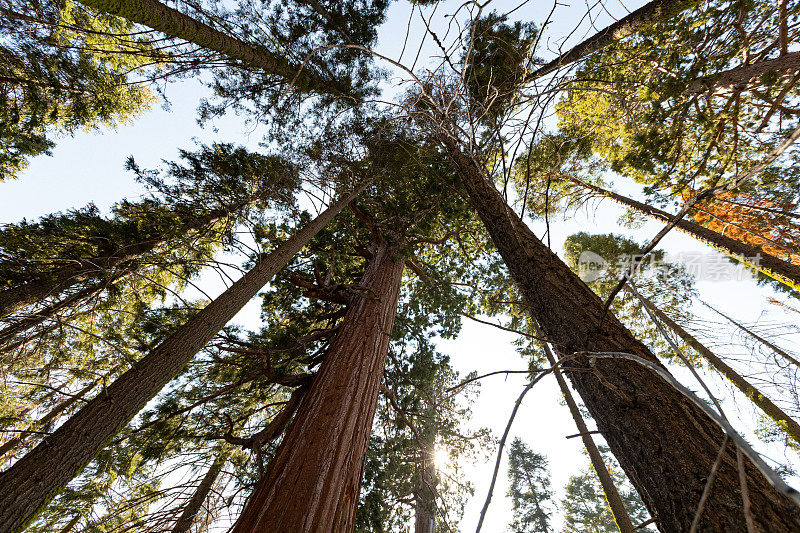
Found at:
[425, 500]
[783, 271]
[770, 409]
[312, 482]
[189, 514]
[38, 476]
[425, 493]
[664, 442]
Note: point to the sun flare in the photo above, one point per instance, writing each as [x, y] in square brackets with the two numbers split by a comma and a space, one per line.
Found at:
[441, 457]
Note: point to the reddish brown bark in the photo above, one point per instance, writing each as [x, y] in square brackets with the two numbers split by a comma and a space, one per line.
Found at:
[32, 481]
[313, 480]
[664, 442]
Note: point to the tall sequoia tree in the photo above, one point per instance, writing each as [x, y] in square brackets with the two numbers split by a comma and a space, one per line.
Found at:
[26, 487]
[312, 483]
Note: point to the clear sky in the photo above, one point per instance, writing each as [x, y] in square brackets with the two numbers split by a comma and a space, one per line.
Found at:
[89, 167]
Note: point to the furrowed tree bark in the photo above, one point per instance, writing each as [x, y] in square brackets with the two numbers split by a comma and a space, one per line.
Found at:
[53, 415]
[313, 480]
[621, 516]
[787, 423]
[195, 504]
[34, 480]
[783, 271]
[624, 27]
[664, 442]
[172, 22]
[78, 271]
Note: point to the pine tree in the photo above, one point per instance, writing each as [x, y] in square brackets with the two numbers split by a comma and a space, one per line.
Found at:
[529, 489]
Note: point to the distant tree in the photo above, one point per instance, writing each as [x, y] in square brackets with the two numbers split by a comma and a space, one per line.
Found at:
[529, 489]
[585, 507]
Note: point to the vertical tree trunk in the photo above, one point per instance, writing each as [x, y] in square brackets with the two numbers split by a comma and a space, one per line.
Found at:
[312, 482]
[35, 479]
[425, 494]
[786, 423]
[425, 500]
[664, 442]
[195, 503]
[53, 415]
[783, 271]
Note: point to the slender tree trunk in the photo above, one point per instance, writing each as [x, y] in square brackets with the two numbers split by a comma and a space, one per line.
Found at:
[425, 500]
[664, 442]
[312, 482]
[757, 337]
[78, 271]
[35, 479]
[172, 22]
[786, 422]
[644, 16]
[425, 494]
[53, 415]
[621, 516]
[195, 504]
[783, 271]
[71, 524]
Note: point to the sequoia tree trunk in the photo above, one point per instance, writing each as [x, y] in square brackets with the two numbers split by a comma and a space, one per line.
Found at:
[34, 480]
[787, 423]
[665, 443]
[195, 503]
[312, 482]
[783, 271]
